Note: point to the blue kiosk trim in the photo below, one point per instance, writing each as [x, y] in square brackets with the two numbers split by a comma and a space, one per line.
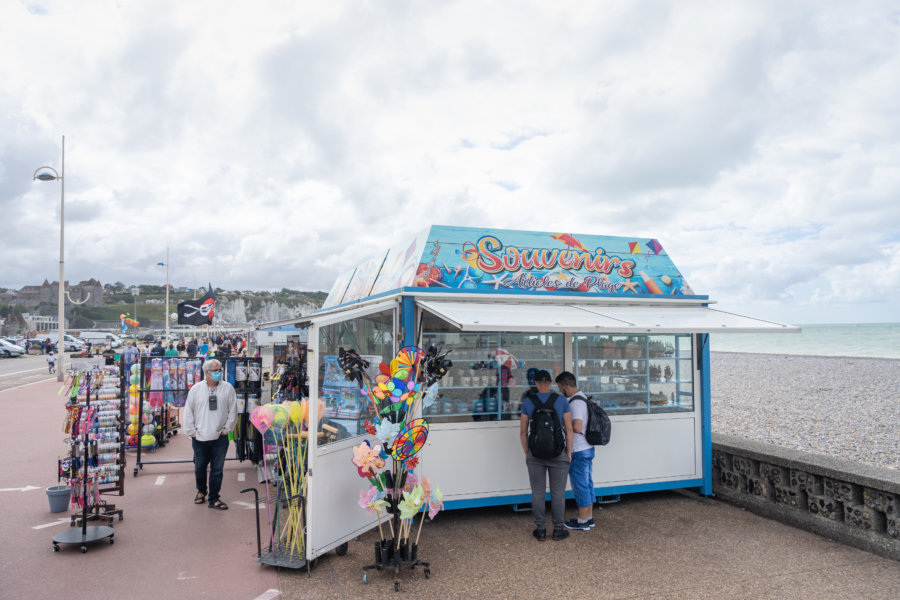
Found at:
[604, 491]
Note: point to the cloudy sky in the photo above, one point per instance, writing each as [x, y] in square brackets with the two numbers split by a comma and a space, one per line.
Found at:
[276, 144]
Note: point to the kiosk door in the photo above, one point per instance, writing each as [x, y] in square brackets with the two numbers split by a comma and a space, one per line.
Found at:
[333, 513]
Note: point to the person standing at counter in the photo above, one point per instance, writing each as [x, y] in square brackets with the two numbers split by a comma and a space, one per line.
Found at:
[540, 411]
[582, 454]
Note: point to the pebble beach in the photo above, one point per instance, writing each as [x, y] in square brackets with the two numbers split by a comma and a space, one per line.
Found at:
[836, 406]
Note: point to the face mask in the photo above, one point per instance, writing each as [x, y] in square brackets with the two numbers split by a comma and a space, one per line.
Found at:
[216, 375]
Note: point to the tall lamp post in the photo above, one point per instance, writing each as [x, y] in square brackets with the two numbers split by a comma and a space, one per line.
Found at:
[50, 174]
[166, 264]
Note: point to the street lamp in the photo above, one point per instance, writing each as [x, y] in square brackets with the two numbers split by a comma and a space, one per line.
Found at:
[50, 174]
[166, 265]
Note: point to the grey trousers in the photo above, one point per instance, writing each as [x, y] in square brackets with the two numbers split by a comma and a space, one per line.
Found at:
[538, 470]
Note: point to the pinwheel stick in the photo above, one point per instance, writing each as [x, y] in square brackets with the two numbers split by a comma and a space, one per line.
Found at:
[424, 510]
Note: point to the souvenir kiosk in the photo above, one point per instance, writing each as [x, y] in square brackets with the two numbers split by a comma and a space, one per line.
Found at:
[614, 311]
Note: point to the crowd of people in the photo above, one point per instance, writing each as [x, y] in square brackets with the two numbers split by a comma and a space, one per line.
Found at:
[220, 347]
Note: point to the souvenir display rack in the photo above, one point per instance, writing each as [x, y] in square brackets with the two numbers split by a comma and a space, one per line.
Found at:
[85, 423]
[106, 460]
[245, 374]
[163, 382]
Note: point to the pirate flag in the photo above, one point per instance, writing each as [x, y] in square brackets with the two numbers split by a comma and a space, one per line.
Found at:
[199, 311]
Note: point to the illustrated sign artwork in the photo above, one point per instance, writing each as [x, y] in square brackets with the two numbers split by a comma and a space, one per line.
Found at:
[496, 260]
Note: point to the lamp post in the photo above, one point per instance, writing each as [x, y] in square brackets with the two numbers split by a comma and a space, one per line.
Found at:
[166, 264]
[50, 174]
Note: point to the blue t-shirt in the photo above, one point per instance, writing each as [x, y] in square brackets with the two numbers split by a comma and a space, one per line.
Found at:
[561, 405]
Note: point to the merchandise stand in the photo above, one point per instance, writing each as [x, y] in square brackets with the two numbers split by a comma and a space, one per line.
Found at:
[87, 533]
[397, 551]
[614, 311]
[108, 429]
[245, 374]
[287, 538]
[158, 390]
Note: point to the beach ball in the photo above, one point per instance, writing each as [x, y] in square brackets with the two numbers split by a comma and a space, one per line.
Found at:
[147, 440]
[132, 429]
[131, 440]
[135, 369]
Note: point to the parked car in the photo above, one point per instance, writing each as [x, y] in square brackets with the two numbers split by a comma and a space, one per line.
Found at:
[11, 350]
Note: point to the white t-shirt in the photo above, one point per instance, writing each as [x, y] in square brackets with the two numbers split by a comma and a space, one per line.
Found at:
[579, 411]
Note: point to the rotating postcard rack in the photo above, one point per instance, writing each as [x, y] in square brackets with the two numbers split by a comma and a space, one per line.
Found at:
[90, 427]
[157, 384]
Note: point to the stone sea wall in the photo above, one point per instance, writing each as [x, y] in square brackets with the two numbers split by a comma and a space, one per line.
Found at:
[849, 502]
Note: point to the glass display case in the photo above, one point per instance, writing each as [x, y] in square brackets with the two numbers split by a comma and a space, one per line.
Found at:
[636, 373]
[489, 376]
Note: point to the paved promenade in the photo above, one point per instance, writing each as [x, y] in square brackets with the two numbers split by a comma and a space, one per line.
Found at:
[664, 545]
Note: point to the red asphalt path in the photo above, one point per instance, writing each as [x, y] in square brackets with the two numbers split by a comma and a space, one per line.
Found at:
[166, 547]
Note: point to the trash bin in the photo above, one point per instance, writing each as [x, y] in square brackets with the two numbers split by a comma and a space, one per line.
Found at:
[59, 496]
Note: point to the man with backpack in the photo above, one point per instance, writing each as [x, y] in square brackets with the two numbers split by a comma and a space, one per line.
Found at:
[546, 436]
[582, 461]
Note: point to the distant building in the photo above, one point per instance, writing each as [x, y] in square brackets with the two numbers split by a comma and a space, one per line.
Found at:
[39, 323]
[48, 293]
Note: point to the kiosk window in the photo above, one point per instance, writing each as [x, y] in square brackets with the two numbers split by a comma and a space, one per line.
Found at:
[630, 374]
[345, 407]
[490, 372]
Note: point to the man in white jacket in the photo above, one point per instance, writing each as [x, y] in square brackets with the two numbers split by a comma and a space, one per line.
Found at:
[209, 414]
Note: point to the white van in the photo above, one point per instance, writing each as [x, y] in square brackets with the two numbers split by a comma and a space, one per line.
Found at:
[102, 337]
[73, 344]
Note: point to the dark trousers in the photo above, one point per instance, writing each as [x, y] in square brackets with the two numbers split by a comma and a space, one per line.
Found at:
[210, 455]
[540, 470]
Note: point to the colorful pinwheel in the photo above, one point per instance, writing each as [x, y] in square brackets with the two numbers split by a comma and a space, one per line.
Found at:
[386, 432]
[435, 503]
[372, 500]
[412, 502]
[410, 439]
[367, 459]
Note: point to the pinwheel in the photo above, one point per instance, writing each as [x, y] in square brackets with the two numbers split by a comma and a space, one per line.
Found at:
[435, 364]
[386, 432]
[435, 503]
[410, 439]
[367, 459]
[412, 502]
[373, 501]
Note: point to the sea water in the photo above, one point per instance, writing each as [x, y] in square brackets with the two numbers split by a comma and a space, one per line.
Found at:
[878, 340]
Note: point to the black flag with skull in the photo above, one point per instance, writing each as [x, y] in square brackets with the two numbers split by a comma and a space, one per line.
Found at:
[199, 311]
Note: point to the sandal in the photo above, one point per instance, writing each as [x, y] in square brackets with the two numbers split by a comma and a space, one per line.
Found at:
[199, 498]
[219, 505]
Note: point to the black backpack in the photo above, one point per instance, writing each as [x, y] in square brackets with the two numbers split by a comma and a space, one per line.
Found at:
[545, 437]
[598, 427]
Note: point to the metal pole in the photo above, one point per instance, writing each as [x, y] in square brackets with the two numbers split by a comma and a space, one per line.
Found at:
[61, 346]
[167, 295]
